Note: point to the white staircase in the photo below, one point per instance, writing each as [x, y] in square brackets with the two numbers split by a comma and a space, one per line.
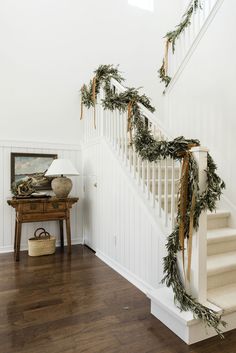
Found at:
[214, 246]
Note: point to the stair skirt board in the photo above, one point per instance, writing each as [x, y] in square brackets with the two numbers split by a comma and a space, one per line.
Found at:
[183, 324]
[136, 281]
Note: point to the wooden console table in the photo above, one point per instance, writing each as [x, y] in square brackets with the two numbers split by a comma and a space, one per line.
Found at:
[40, 210]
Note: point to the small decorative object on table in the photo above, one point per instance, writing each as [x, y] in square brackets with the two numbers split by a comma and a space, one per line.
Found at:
[42, 243]
[23, 188]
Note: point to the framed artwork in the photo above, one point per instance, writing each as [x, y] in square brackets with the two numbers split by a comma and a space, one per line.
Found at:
[32, 165]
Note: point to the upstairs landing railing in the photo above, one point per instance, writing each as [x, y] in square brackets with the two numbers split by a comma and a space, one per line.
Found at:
[189, 38]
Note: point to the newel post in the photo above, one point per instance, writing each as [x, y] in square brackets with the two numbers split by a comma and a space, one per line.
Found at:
[198, 281]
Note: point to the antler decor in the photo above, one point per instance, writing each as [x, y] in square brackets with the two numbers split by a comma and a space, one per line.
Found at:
[23, 188]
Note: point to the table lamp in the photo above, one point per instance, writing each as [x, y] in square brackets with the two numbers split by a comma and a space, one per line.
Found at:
[61, 185]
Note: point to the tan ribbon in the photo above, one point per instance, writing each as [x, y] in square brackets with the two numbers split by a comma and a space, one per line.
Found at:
[166, 57]
[94, 100]
[129, 126]
[183, 203]
[190, 239]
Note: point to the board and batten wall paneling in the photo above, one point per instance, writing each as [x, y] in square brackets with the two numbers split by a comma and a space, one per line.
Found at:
[7, 213]
[117, 224]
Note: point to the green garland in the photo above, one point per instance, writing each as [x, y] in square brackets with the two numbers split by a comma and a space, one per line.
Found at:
[152, 150]
[172, 36]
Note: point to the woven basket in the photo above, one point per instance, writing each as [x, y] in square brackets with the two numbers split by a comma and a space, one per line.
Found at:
[42, 243]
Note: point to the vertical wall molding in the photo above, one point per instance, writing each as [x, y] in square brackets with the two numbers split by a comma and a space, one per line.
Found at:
[117, 223]
[7, 214]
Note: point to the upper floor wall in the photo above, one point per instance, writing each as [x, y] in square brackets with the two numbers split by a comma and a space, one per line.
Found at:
[202, 102]
[49, 48]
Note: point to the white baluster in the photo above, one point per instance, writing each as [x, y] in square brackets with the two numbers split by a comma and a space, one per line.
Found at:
[166, 192]
[134, 162]
[148, 179]
[139, 169]
[119, 132]
[122, 135]
[106, 127]
[159, 185]
[109, 125]
[153, 184]
[143, 174]
[130, 151]
[126, 139]
[116, 129]
[173, 200]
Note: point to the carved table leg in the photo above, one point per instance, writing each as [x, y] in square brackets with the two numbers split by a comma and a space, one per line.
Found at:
[61, 233]
[18, 240]
[68, 234]
[15, 237]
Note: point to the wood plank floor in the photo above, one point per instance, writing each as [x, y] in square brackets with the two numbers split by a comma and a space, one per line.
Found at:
[78, 304]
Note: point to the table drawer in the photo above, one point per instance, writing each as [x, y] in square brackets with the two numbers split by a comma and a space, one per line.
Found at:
[32, 207]
[55, 206]
[41, 217]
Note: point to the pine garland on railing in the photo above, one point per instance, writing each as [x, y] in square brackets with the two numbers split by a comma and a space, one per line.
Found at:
[172, 36]
[152, 150]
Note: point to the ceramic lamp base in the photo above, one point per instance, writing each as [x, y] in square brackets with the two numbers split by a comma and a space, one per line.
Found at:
[61, 186]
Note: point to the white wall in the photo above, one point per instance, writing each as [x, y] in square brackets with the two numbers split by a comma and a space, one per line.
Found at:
[50, 47]
[117, 224]
[202, 103]
[7, 213]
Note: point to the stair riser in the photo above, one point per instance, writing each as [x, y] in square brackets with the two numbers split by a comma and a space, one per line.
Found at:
[163, 187]
[219, 248]
[215, 223]
[163, 163]
[169, 174]
[169, 205]
[221, 279]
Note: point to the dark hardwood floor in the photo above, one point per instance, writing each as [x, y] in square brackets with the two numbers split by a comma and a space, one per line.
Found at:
[78, 304]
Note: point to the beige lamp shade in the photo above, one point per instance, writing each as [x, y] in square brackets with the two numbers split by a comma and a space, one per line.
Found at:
[61, 167]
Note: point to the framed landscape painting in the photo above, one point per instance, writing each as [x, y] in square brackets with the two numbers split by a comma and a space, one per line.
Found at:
[32, 165]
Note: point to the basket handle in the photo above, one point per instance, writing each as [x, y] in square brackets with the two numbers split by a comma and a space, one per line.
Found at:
[43, 233]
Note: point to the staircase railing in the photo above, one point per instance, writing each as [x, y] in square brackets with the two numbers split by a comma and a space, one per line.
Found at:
[158, 181]
[189, 39]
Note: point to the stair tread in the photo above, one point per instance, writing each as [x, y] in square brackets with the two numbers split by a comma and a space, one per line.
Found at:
[223, 297]
[218, 214]
[220, 234]
[169, 196]
[220, 263]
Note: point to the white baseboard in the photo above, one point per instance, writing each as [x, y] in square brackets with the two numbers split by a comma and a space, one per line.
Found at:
[132, 278]
[9, 248]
